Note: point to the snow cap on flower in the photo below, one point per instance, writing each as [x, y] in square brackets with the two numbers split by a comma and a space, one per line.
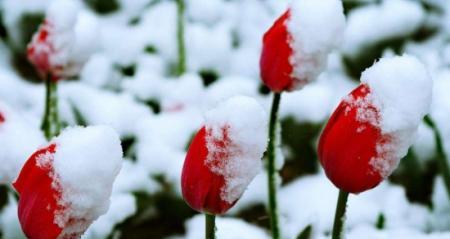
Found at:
[18, 140]
[296, 47]
[66, 185]
[58, 47]
[225, 155]
[373, 127]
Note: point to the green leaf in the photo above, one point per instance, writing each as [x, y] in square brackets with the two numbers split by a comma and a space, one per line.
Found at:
[306, 233]
[381, 221]
[103, 6]
[208, 76]
[299, 140]
[79, 118]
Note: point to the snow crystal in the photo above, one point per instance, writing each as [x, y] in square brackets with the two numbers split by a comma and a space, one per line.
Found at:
[400, 90]
[18, 140]
[316, 28]
[236, 129]
[371, 24]
[86, 162]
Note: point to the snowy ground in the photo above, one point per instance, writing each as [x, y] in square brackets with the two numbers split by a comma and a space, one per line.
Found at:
[129, 84]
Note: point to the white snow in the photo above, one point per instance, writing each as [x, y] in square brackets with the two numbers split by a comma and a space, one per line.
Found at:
[227, 228]
[98, 106]
[13, 10]
[9, 222]
[86, 162]
[400, 91]
[316, 27]
[236, 140]
[102, 227]
[18, 139]
[373, 23]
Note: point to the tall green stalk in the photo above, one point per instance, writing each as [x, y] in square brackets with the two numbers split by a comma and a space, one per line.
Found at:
[339, 217]
[441, 155]
[210, 226]
[50, 122]
[181, 66]
[271, 170]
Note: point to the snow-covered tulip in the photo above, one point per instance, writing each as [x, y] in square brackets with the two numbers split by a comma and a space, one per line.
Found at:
[18, 140]
[58, 47]
[66, 185]
[225, 155]
[373, 127]
[296, 47]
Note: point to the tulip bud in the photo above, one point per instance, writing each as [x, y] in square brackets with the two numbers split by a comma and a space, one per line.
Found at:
[373, 127]
[225, 155]
[66, 185]
[295, 49]
[54, 47]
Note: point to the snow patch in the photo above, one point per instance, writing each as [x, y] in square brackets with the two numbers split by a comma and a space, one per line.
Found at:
[316, 28]
[85, 164]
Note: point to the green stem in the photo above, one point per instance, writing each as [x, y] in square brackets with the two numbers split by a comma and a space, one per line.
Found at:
[441, 155]
[50, 122]
[339, 217]
[181, 66]
[271, 170]
[210, 226]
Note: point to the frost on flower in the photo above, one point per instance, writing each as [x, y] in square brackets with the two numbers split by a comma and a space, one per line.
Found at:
[225, 155]
[66, 185]
[58, 47]
[401, 92]
[373, 127]
[235, 143]
[296, 47]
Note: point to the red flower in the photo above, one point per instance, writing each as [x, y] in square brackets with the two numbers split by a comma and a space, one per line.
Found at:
[2, 118]
[276, 69]
[348, 144]
[67, 185]
[225, 155]
[200, 186]
[53, 49]
[295, 49]
[38, 201]
[40, 49]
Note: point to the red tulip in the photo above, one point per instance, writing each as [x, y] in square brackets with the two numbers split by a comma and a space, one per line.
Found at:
[372, 129]
[296, 47]
[65, 186]
[40, 49]
[39, 197]
[200, 186]
[276, 69]
[348, 145]
[224, 156]
[52, 47]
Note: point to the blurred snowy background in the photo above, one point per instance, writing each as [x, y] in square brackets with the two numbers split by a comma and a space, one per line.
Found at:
[131, 84]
